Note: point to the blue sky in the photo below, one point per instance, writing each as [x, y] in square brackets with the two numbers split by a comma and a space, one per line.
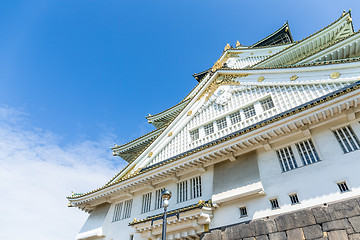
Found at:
[78, 76]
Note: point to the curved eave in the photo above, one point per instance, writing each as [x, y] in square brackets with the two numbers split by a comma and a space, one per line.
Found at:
[200, 76]
[136, 142]
[167, 114]
[308, 38]
[299, 109]
[281, 30]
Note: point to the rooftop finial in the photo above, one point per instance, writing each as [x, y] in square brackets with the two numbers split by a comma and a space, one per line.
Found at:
[238, 44]
[344, 12]
[227, 47]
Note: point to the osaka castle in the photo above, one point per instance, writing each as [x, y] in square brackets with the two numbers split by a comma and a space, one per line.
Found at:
[265, 146]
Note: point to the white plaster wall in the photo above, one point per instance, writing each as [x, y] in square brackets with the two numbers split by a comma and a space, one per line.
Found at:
[315, 184]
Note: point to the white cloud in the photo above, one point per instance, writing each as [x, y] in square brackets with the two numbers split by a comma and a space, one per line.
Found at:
[36, 174]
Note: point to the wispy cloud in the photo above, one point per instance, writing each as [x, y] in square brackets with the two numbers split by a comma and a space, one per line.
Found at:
[37, 173]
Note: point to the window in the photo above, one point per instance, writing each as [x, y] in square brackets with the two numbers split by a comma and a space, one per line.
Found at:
[194, 135]
[287, 159]
[274, 203]
[127, 209]
[243, 212]
[195, 187]
[209, 129]
[307, 152]
[122, 210]
[294, 199]
[249, 111]
[182, 189]
[343, 187]
[221, 123]
[117, 212]
[146, 203]
[267, 104]
[235, 118]
[347, 139]
[131, 237]
[158, 199]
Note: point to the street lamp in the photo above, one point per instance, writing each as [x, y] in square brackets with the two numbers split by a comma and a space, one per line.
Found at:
[165, 195]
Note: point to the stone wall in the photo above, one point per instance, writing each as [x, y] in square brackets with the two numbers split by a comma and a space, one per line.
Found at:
[334, 221]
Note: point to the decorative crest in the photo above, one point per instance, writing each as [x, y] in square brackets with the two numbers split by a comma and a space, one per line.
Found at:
[227, 47]
[238, 44]
[335, 75]
[293, 78]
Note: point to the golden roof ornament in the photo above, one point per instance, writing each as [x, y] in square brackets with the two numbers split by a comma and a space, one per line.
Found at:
[217, 65]
[286, 29]
[293, 78]
[343, 13]
[150, 154]
[238, 44]
[227, 47]
[335, 75]
[261, 78]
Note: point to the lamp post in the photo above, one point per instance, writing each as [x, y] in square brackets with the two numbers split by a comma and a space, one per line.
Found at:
[165, 195]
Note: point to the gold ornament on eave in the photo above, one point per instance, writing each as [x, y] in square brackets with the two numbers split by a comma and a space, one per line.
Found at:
[261, 78]
[227, 47]
[293, 78]
[335, 75]
[238, 44]
[217, 65]
[150, 154]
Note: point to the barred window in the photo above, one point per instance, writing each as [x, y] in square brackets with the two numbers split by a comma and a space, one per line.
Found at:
[249, 111]
[127, 209]
[195, 187]
[287, 159]
[158, 199]
[243, 212]
[146, 203]
[347, 139]
[307, 152]
[194, 135]
[235, 118]
[294, 199]
[209, 129]
[117, 212]
[267, 103]
[221, 123]
[343, 187]
[274, 203]
[182, 190]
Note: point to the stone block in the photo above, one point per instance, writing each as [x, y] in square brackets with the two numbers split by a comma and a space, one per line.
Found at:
[336, 225]
[322, 238]
[277, 236]
[297, 219]
[264, 227]
[213, 235]
[262, 237]
[246, 230]
[355, 236]
[345, 209]
[313, 232]
[322, 214]
[295, 234]
[355, 223]
[250, 238]
[338, 235]
[230, 233]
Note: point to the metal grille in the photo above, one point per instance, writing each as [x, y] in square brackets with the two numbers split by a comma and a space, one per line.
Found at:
[195, 186]
[294, 199]
[287, 159]
[146, 203]
[267, 104]
[117, 212]
[127, 209]
[343, 187]
[243, 212]
[158, 199]
[307, 152]
[274, 203]
[221, 123]
[235, 118]
[347, 139]
[209, 129]
[182, 189]
[194, 135]
[249, 111]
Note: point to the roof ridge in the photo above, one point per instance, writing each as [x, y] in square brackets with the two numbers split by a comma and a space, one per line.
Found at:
[272, 34]
[147, 117]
